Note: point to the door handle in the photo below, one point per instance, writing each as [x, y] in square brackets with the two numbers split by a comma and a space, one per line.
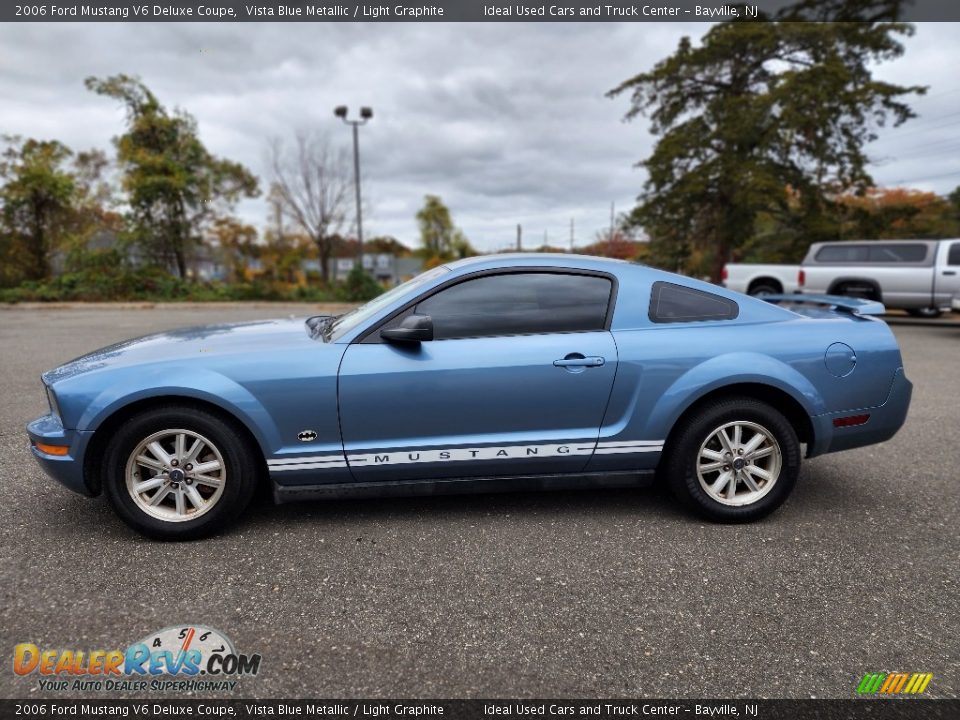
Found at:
[578, 360]
[949, 272]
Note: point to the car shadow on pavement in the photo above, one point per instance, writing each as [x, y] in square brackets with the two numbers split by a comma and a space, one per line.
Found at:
[646, 502]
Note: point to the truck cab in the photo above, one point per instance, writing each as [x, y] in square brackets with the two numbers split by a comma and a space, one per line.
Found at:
[919, 276]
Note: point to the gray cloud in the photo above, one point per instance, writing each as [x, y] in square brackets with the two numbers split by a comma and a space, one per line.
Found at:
[507, 122]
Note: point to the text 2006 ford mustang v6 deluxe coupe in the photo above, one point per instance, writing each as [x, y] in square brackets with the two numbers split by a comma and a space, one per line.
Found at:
[498, 372]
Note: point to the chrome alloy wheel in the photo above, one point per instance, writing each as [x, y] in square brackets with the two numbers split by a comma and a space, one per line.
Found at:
[175, 475]
[739, 463]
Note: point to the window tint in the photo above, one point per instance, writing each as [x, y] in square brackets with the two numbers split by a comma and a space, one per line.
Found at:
[908, 252]
[675, 303]
[953, 256]
[842, 253]
[519, 304]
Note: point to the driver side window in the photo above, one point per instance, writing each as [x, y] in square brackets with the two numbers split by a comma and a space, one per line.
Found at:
[520, 303]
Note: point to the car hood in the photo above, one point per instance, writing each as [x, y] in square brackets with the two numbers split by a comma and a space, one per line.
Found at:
[192, 344]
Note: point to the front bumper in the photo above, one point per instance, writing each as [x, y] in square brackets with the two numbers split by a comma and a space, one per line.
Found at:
[885, 420]
[65, 469]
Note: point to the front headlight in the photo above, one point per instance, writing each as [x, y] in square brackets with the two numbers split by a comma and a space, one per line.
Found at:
[52, 401]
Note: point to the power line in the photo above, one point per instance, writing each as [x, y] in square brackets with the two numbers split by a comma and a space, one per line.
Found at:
[914, 130]
[929, 177]
[939, 144]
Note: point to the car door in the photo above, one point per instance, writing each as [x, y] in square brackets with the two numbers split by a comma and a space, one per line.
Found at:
[947, 269]
[515, 381]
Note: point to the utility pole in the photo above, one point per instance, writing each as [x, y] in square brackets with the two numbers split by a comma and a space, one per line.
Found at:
[519, 238]
[365, 114]
[571, 234]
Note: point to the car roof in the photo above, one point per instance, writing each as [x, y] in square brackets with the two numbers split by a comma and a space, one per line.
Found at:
[571, 260]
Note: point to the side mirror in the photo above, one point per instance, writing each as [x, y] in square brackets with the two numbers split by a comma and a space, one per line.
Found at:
[413, 329]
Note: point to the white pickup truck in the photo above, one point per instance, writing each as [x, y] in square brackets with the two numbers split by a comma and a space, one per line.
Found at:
[760, 279]
[919, 276]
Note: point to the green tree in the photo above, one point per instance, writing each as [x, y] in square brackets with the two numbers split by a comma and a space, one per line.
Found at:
[174, 186]
[37, 197]
[954, 199]
[440, 239]
[386, 244]
[764, 117]
[237, 245]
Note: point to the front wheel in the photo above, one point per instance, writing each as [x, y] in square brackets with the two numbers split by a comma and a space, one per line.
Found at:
[178, 473]
[735, 460]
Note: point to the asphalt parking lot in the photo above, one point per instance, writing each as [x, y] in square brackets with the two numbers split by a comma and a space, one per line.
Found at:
[572, 594]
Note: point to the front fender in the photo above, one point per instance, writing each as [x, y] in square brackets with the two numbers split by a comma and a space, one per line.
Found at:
[726, 370]
[197, 383]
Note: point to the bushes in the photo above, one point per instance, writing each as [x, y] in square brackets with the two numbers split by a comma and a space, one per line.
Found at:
[104, 276]
[359, 286]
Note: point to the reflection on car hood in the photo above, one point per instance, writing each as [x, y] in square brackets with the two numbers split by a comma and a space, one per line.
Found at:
[191, 343]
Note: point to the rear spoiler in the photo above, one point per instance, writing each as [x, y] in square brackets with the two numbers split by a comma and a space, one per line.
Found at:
[840, 303]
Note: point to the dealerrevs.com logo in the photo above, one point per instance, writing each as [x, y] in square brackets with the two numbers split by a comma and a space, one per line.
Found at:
[177, 658]
[899, 683]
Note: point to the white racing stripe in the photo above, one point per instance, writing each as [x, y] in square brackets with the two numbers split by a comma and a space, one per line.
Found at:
[463, 454]
[308, 458]
[307, 466]
[624, 443]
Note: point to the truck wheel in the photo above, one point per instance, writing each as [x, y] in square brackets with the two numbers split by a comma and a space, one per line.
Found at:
[735, 460]
[929, 312]
[863, 291]
[179, 473]
[764, 288]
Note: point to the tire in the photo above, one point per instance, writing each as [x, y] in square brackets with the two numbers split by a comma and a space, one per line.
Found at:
[928, 312]
[764, 288]
[857, 290]
[686, 466]
[201, 502]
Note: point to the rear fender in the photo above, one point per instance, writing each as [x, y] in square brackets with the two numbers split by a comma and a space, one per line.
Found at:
[724, 371]
[841, 281]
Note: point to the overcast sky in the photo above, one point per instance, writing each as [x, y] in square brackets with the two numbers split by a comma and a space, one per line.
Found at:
[508, 123]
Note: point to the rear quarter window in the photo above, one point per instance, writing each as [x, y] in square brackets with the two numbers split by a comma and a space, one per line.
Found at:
[908, 252]
[842, 253]
[872, 253]
[671, 303]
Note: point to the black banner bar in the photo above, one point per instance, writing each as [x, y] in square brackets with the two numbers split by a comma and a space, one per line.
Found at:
[448, 11]
[853, 709]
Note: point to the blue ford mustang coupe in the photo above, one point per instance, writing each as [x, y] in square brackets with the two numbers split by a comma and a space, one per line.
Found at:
[497, 372]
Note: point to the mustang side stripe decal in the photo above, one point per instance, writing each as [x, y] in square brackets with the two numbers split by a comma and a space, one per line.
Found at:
[623, 443]
[307, 458]
[464, 454]
[508, 452]
[307, 466]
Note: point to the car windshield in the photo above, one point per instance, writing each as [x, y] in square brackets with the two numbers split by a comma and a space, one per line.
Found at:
[348, 321]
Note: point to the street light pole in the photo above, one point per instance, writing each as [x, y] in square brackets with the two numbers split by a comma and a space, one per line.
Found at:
[365, 114]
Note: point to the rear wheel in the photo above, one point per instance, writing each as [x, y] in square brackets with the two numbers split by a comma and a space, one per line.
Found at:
[735, 460]
[928, 312]
[179, 473]
[862, 290]
[764, 288]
